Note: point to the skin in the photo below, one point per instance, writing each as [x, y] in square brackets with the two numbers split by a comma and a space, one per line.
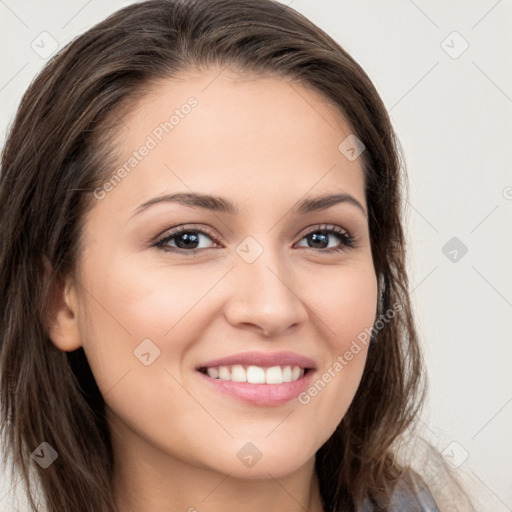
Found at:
[265, 144]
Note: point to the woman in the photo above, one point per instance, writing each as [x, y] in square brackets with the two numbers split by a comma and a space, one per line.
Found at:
[203, 272]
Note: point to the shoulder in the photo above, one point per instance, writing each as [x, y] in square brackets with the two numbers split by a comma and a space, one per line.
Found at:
[411, 494]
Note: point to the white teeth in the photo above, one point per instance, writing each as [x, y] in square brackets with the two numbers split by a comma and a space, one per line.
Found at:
[224, 373]
[213, 373]
[256, 374]
[274, 375]
[238, 373]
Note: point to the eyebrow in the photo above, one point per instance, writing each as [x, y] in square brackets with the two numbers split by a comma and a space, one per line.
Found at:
[222, 205]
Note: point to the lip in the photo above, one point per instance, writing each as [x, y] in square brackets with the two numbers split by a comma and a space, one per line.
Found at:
[264, 359]
[265, 395]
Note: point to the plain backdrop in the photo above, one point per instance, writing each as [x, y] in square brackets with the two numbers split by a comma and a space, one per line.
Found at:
[444, 71]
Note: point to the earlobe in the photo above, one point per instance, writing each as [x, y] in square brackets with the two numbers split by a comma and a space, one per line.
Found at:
[63, 315]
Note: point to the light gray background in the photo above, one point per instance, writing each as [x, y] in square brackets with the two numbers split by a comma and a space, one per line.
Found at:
[452, 114]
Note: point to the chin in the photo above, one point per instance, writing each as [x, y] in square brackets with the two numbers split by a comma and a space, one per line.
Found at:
[263, 460]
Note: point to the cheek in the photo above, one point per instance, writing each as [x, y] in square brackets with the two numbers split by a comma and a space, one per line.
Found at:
[137, 328]
[344, 301]
[136, 316]
[346, 311]
[151, 303]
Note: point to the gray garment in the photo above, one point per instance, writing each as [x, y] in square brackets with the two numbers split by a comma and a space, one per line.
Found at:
[407, 498]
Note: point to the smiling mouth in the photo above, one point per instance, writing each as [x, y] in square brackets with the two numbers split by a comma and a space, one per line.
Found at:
[255, 374]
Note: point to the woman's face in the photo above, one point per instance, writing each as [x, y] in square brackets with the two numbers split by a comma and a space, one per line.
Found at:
[264, 280]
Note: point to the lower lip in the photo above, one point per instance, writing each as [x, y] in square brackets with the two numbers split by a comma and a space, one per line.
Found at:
[261, 394]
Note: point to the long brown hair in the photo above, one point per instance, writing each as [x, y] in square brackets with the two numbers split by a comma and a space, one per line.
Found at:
[57, 153]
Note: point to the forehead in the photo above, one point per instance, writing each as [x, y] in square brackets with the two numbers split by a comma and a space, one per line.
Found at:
[217, 130]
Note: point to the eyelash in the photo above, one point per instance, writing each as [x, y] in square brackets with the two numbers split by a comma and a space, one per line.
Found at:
[347, 240]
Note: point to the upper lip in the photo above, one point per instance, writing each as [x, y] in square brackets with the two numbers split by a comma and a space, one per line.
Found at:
[265, 359]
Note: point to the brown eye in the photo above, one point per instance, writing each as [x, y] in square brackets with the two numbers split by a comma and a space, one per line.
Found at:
[321, 237]
[184, 240]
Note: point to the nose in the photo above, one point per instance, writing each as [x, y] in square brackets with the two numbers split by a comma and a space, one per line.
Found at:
[264, 296]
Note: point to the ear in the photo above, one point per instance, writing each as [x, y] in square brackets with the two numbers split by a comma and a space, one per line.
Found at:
[63, 313]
